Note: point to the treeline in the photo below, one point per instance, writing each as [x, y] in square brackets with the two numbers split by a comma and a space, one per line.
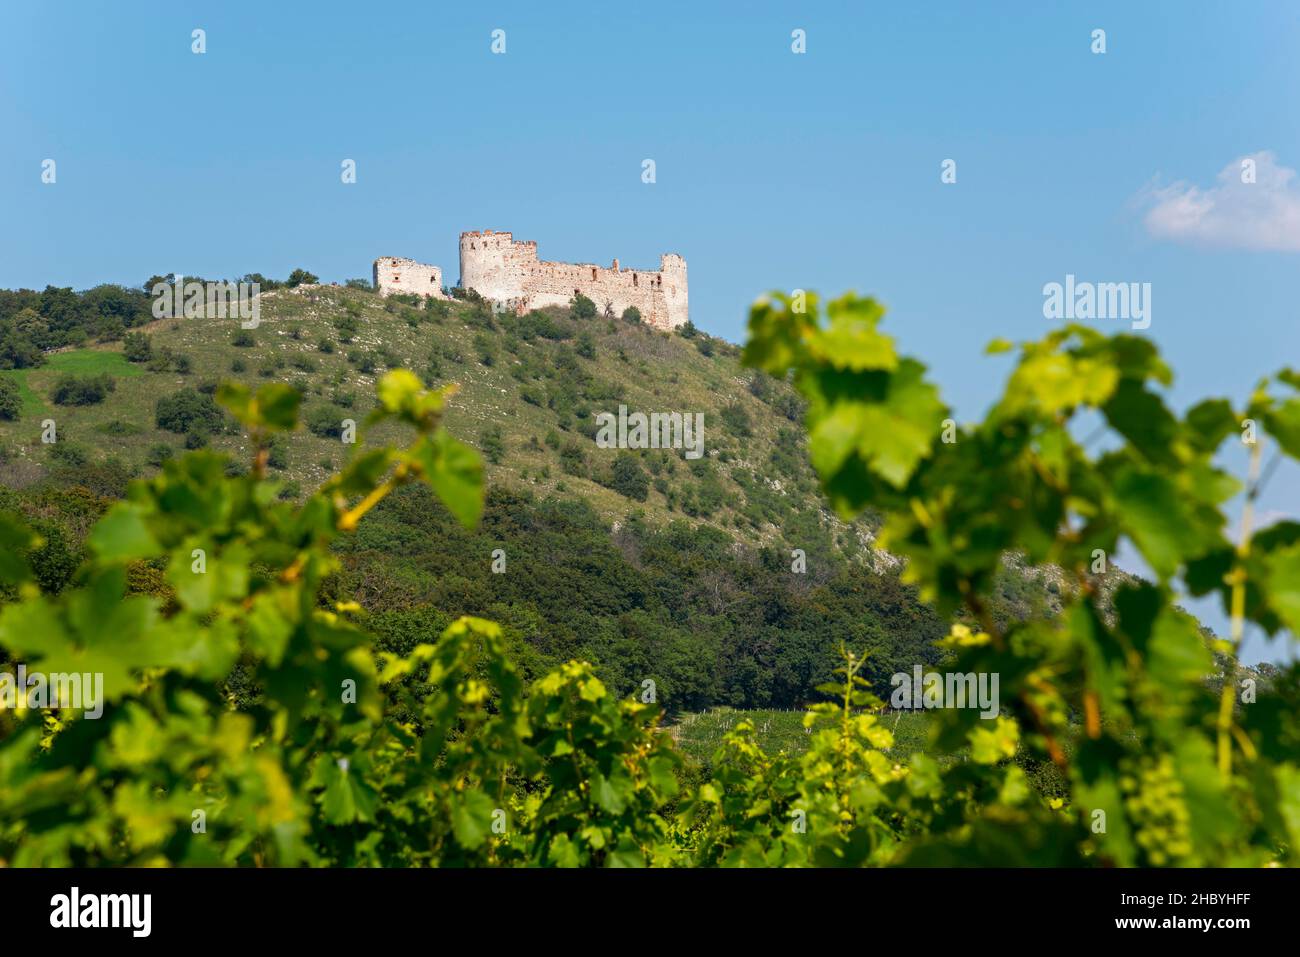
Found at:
[32, 323]
[684, 606]
[708, 622]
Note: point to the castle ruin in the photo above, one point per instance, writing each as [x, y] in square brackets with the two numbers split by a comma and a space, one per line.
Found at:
[506, 271]
[393, 274]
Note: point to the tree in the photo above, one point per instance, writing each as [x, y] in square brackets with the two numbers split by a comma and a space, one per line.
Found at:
[629, 478]
[189, 411]
[581, 307]
[263, 284]
[301, 277]
[11, 400]
[20, 339]
[137, 347]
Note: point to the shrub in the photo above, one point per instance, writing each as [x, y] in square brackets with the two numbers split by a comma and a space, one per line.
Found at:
[137, 347]
[325, 421]
[11, 400]
[629, 478]
[573, 460]
[117, 427]
[736, 419]
[69, 455]
[582, 308]
[346, 327]
[82, 390]
[492, 445]
[189, 411]
[159, 453]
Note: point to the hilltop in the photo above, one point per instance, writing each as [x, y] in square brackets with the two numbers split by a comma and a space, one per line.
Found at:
[649, 564]
[530, 387]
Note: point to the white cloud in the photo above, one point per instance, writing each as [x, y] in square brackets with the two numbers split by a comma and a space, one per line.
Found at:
[1264, 214]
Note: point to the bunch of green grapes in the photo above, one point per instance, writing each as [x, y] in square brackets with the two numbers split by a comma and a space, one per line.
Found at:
[1153, 798]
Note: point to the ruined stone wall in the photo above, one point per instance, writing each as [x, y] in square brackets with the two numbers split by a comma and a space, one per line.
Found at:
[393, 274]
[500, 269]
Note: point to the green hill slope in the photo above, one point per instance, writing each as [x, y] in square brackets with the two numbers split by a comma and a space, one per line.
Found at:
[530, 388]
[652, 566]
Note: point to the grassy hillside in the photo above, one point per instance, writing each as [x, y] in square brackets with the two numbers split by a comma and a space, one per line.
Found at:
[530, 389]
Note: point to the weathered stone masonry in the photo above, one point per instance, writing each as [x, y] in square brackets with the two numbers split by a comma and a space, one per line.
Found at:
[503, 270]
[393, 274]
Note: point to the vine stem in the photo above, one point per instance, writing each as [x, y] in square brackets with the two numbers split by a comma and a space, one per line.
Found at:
[1238, 579]
[982, 615]
[348, 522]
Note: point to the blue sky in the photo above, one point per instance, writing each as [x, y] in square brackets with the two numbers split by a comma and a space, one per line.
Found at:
[774, 170]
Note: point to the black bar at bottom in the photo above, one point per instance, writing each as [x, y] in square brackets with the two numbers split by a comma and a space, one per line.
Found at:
[337, 906]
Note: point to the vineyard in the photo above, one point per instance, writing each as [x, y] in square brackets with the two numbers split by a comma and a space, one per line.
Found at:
[252, 719]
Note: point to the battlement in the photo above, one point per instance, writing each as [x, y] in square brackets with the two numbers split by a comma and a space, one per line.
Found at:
[503, 269]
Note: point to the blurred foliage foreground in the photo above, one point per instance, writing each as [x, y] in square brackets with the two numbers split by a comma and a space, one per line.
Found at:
[442, 757]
